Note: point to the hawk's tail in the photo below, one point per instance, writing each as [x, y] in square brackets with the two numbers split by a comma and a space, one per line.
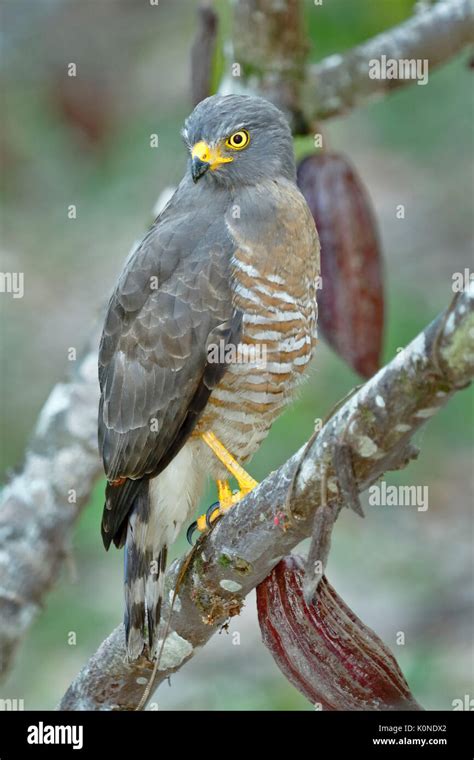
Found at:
[145, 562]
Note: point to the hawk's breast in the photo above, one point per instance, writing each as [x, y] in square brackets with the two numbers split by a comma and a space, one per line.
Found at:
[274, 281]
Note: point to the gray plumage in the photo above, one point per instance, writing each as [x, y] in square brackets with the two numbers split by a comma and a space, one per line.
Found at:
[270, 152]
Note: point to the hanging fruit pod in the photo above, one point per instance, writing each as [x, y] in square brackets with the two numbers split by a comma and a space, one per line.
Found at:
[323, 648]
[351, 301]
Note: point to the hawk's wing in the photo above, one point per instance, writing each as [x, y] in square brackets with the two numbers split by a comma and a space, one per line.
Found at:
[172, 300]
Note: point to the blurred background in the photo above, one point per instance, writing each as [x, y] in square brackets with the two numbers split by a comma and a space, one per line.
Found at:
[86, 141]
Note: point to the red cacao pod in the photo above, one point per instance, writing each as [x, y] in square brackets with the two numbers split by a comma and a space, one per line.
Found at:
[324, 649]
[351, 306]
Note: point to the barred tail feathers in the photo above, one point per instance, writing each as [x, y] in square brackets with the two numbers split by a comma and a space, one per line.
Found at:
[145, 562]
[158, 513]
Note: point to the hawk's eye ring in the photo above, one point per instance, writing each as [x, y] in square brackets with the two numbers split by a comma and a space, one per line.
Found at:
[238, 140]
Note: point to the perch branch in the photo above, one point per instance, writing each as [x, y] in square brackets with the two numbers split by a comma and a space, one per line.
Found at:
[377, 422]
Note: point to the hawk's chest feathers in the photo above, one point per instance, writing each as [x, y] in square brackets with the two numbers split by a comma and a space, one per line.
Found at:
[274, 271]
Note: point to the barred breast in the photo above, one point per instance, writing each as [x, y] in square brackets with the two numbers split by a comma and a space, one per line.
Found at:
[274, 285]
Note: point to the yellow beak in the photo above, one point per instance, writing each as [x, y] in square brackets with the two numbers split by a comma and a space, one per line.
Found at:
[204, 157]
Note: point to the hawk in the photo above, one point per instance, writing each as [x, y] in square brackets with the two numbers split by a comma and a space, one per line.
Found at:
[208, 331]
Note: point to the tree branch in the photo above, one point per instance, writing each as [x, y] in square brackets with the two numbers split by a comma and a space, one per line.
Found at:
[377, 422]
[39, 506]
[341, 82]
[270, 45]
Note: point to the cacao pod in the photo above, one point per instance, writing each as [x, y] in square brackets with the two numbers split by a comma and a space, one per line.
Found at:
[324, 649]
[351, 305]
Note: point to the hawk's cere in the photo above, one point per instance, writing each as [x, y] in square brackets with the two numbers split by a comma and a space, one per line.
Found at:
[231, 263]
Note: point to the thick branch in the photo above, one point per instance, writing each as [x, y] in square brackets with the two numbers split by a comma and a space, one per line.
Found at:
[270, 45]
[39, 505]
[378, 422]
[341, 82]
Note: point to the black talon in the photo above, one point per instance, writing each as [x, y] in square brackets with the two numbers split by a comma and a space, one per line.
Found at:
[190, 532]
[193, 526]
[209, 512]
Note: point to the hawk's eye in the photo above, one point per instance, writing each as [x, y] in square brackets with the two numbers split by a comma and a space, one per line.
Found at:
[238, 140]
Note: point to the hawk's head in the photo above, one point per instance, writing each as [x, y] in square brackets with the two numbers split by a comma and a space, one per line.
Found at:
[238, 139]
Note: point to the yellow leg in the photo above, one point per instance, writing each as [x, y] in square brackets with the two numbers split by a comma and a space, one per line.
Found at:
[245, 481]
[224, 494]
[226, 497]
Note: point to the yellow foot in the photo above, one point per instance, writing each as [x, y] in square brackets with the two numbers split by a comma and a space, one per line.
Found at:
[224, 493]
[227, 499]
